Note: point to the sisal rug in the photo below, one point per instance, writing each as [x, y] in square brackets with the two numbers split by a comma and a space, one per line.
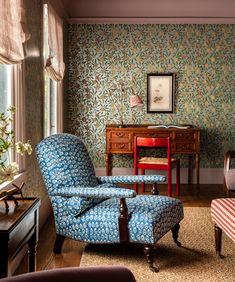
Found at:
[194, 261]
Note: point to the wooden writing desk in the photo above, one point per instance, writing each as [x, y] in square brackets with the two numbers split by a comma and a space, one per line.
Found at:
[18, 227]
[184, 141]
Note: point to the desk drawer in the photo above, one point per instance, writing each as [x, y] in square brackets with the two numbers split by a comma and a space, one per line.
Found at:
[185, 135]
[184, 147]
[120, 135]
[122, 147]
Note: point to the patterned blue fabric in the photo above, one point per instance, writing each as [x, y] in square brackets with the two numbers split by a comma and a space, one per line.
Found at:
[151, 217]
[132, 179]
[86, 208]
[65, 162]
[77, 205]
[96, 192]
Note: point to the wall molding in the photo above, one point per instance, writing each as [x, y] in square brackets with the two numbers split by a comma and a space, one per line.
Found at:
[151, 20]
[207, 175]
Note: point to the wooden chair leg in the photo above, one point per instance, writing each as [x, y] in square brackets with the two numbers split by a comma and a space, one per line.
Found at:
[136, 187]
[149, 251]
[175, 233]
[218, 237]
[154, 189]
[59, 241]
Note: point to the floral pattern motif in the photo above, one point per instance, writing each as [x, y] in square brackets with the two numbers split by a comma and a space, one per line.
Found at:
[103, 56]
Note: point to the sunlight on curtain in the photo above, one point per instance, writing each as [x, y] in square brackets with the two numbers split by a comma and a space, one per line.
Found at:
[55, 65]
[12, 34]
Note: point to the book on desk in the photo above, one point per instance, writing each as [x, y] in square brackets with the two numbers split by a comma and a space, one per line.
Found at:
[179, 126]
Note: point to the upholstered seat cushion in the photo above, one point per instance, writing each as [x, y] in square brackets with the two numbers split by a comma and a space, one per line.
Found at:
[152, 160]
[151, 217]
[230, 179]
[223, 215]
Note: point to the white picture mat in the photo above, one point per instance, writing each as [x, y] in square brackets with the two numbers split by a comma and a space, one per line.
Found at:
[161, 88]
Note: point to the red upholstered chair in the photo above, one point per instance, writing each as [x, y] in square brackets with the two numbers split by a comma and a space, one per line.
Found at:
[223, 215]
[83, 274]
[155, 163]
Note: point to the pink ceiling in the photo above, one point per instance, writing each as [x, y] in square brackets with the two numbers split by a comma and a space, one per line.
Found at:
[141, 11]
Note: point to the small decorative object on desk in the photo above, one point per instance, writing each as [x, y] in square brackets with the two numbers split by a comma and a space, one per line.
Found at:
[9, 169]
[7, 195]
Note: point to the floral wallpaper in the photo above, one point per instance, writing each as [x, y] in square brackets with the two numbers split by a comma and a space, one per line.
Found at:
[102, 57]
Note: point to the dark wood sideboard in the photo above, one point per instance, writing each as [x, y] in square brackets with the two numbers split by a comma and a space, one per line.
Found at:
[18, 228]
[120, 140]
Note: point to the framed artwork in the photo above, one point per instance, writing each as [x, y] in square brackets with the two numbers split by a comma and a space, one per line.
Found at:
[160, 92]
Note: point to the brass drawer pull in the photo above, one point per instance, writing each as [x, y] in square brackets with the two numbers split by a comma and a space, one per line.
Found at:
[120, 146]
[120, 134]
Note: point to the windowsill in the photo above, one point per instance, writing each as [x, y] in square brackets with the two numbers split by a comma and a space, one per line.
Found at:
[18, 179]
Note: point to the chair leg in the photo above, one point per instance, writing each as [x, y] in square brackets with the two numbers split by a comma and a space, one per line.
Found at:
[149, 251]
[136, 187]
[135, 173]
[175, 233]
[178, 180]
[58, 244]
[218, 237]
[143, 184]
[169, 183]
[154, 189]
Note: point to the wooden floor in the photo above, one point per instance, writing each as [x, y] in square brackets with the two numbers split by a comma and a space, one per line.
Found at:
[190, 196]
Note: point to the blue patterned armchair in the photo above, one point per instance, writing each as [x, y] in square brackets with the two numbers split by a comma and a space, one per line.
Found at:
[94, 209]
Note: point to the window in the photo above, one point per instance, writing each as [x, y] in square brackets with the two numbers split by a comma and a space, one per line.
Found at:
[52, 90]
[5, 93]
[5, 87]
[11, 94]
[50, 87]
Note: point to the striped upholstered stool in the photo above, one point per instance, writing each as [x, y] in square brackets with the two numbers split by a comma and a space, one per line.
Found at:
[223, 215]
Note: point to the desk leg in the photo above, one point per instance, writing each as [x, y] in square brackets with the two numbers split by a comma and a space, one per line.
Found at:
[189, 169]
[4, 260]
[32, 253]
[198, 170]
[107, 164]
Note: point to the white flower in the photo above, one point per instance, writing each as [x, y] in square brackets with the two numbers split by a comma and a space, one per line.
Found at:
[22, 148]
[28, 148]
[7, 143]
[8, 172]
[3, 127]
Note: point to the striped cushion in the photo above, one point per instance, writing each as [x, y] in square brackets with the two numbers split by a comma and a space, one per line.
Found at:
[223, 214]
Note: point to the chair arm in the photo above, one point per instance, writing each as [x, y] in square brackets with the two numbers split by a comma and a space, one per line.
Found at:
[131, 179]
[96, 192]
[227, 160]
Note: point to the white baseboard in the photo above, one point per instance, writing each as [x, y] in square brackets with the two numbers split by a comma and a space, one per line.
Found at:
[207, 175]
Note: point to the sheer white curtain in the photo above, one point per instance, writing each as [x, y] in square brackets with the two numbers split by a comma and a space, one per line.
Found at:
[12, 34]
[55, 64]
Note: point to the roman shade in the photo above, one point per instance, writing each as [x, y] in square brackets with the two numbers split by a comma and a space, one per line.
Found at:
[55, 64]
[12, 35]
